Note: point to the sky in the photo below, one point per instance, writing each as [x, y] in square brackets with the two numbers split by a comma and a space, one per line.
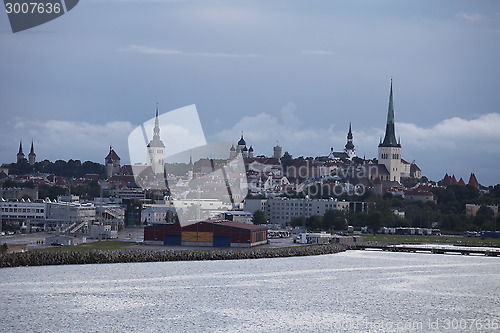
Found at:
[287, 71]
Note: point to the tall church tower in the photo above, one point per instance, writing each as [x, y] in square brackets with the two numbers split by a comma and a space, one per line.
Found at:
[156, 148]
[349, 146]
[32, 155]
[20, 154]
[277, 151]
[112, 162]
[389, 150]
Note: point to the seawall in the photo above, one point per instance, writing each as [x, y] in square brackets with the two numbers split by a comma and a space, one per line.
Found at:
[42, 258]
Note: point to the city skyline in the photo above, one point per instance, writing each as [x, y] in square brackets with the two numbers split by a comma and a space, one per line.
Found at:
[281, 71]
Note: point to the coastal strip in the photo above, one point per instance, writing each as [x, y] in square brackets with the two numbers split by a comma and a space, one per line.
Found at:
[43, 258]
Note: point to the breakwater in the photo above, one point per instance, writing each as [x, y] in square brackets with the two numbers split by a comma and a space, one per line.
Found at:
[42, 258]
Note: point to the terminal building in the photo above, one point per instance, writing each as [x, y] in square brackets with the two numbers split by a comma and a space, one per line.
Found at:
[22, 215]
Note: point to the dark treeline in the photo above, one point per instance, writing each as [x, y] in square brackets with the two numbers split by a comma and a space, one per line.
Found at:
[70, 168]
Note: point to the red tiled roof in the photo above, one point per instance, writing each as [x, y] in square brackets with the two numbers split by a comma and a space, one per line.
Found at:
[473, 180]
[446, 180]
[112, 155]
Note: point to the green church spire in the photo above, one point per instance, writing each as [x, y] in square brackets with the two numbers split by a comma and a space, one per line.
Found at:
[390, 132]
[390, 111]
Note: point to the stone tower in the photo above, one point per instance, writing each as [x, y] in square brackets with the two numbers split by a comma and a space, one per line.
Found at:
[20, 154]
[112, 163]
[232, 152]
[156, 148]
[278, 151]
[32, 155]
[250, 152]
[349, 146]
[389, 150]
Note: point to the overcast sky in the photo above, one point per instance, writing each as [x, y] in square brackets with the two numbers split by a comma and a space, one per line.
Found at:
[291, 71]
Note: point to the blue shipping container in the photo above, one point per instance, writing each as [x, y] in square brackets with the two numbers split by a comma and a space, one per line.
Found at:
[222, 241]
[172, 239]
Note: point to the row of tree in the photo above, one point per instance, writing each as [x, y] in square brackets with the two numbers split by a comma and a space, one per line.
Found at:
[70, 168]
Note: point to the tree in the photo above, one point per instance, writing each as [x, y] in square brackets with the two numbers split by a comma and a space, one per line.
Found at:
[259, 217]
[485, 211]
[314, 222]
[94, 189]
[484, 218]
[297, 221]
[171, 217]
[329, 219]
[374, 220]
[340, 222]
[286, 160]
[335, 220]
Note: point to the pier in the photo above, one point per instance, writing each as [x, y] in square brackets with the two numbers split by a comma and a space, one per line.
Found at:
[432, 248]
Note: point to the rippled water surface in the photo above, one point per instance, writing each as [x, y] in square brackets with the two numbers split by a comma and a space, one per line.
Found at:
[356, 291]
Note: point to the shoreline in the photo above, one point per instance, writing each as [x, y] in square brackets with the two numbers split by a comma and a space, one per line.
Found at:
[41, 258]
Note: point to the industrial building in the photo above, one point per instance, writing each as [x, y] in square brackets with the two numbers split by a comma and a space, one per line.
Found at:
[217, 233]
[70, 216]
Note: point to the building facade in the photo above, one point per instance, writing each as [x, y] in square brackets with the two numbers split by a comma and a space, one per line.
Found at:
[19, 215]
[70, 217]
[282, 210]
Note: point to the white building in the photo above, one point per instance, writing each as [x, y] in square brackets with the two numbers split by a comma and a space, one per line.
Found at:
[189, 209]
[253, 205]
[102, 232]
[314, 238]
[282, 210]
[155, 213]
[27, 215]
[204, 204]
[64, 240]
[233, 215]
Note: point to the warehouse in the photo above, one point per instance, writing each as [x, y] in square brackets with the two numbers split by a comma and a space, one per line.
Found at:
[218, 233]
